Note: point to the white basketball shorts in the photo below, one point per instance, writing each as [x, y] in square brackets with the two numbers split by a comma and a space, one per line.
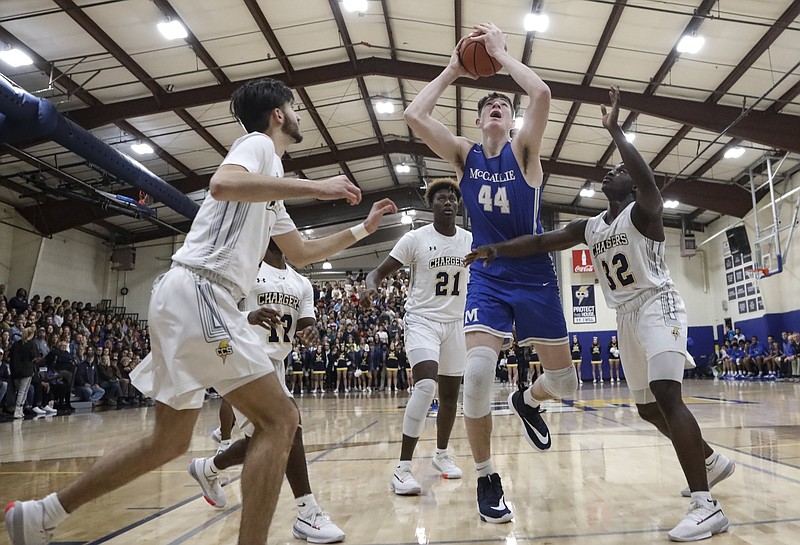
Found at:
[199, 340]
[442, 342]
[655, 324]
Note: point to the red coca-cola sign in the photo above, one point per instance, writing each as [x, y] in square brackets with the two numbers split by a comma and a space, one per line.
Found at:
[582, 261]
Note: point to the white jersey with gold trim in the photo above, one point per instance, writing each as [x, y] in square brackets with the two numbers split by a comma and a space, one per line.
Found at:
[626, 262]
[287, 292]
[439, 277]
[229, 238]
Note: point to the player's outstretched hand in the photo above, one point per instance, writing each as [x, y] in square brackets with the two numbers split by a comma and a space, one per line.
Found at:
[339, 187]
[309, 336]
[493, 38]
[376, 213]
[264, 317]
[610, 119]
[455, 62]
[487, 253]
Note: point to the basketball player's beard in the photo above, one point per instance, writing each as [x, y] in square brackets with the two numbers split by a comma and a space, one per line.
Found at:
[292, 129]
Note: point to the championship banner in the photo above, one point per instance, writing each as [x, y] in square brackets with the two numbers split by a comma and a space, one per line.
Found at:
[583, 309]
[582, 262]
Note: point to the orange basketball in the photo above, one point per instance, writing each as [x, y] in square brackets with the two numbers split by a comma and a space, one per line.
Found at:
[476, 60]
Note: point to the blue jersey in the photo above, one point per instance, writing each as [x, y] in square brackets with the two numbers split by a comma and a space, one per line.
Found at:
[501, 206]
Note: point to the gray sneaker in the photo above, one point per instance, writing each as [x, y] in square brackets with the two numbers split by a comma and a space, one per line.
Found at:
[720, 468]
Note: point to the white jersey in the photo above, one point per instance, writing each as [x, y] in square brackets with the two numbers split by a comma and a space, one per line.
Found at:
[439, 277]
[229, 238]
[287, 292]
[626, 262]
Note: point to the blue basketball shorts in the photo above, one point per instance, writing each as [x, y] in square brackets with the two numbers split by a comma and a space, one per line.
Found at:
[499, 306]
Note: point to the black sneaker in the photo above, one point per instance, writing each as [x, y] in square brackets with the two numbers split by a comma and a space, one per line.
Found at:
[491, 503]
[533, 424]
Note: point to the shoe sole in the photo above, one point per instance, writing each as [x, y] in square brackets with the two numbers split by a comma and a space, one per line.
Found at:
[14, 524]
[505, 518]
[446, 475]
[686, 493]
[412, 492]
[300, 535]
[525, 428]
[699, 537]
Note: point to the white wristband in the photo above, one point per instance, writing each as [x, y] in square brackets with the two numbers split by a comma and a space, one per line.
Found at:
[359, 231]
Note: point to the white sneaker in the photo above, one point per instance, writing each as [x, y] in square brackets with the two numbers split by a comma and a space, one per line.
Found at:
[25, 523]
[718, 470]
[403, 482]
[18, 413]
[39, 410]
[316, 527]
[49, 410]
[212, 489]
[703, 520]
[445, 465]
[216, 435]
[223, 446]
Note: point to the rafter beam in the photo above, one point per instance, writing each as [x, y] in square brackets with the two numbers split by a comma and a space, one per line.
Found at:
[766, 127]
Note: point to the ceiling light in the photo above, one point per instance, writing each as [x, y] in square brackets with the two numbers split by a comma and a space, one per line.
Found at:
[359, 6]
[630, 136]
[536, 22]
[518, 121]
[327, 266]
[15, 58]
[384, 107]
[411, 212]
[691, 44]
[172, 30]
[142, 149]
[734, 153]
[402, 168]
[671, 204]
[587, 192]
[406, 220]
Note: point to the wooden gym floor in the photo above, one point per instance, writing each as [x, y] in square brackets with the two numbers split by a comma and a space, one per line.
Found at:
[609, 478]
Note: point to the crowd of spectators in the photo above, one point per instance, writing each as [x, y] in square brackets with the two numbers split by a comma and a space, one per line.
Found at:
[740, 358]
[53, 351]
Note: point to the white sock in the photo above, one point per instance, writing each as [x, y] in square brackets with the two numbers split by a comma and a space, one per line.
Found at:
[210, 468]
[404, 464]
[306, 503]
[702, 496]
[440, 451]
[54, 513]
[527, 397]
[485, 469]
[711, 459]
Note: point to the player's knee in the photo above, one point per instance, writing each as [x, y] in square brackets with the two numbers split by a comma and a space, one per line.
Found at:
[417, 407]
[560, 383]
[478, 381]
[649, 412]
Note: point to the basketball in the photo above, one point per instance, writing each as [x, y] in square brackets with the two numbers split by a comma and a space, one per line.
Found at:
[476, 60]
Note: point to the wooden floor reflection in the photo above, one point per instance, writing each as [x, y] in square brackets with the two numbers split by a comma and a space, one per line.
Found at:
[609, 478]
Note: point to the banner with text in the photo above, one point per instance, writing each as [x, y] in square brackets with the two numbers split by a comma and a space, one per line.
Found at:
[583, 308]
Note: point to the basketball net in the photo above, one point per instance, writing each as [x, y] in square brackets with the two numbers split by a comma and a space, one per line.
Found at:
[145, 199]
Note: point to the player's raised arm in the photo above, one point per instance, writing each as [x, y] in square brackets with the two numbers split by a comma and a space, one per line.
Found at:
[236, 183]
[648, 196]
[526, 245]
[419, 116]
